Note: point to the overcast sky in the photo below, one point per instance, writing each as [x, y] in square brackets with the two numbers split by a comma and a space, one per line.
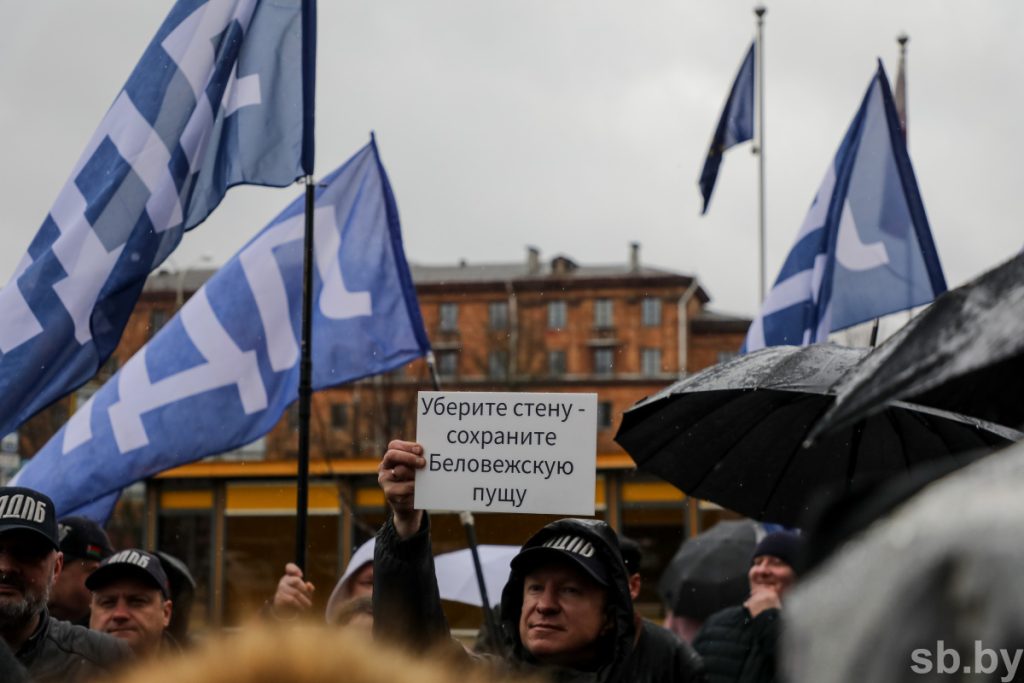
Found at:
[576, 126]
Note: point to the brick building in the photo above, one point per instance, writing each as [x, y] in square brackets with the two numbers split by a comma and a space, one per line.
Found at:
[623, 331]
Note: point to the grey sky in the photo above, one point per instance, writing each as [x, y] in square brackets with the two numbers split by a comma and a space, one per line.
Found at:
[573, 125]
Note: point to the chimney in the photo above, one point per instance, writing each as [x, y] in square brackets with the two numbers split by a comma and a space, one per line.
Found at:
[532, 260]
[634, 257]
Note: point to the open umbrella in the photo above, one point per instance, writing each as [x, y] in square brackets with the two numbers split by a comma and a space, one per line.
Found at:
[734, 433]
[709, 571]
[942, 570]
[965, 353]
[456, 576]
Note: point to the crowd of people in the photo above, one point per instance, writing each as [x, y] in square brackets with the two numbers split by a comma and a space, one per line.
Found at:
[74, 609]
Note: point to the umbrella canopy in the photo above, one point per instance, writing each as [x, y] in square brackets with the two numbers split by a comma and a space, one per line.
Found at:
[456, 576]
[944, 567]
[734, 433]
[965, 353]
[709, 571]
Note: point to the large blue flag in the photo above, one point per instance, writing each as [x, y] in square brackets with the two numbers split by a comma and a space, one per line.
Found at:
[219, 98]
[222, 372]
[735, 126]
[865, 248]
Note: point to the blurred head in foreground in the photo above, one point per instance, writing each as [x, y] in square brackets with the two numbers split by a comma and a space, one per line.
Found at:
[262, 653]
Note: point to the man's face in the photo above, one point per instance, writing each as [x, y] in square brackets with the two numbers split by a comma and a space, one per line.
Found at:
[132, 610]
[28, 566]
[360, 584]
[69, 599]
[770, 573]
[563, 615]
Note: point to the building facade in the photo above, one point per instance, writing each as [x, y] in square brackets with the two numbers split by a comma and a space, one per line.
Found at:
[622, 331]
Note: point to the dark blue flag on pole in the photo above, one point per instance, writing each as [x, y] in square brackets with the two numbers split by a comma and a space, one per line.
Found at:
[222, 372]
[865, 249]
[219, 98]
[735, 126]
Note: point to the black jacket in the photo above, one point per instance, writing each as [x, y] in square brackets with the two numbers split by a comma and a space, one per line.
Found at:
[59, 651]
[665, 657]
[737, 648]
[407, 607]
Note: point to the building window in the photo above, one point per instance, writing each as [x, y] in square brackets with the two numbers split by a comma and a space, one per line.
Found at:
[449, 317]
[339, 416]
[157, 319]
[604, 415]
[603, 313]
[556, 315]
[556, 363]
[650, 312]
[604, 361]
[396, 417]
[447, 363]
[650, 362]
[497, 364]
[497, 315]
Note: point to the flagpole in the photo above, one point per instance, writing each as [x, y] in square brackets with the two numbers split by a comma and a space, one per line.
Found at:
[759, 149]
[305, 384]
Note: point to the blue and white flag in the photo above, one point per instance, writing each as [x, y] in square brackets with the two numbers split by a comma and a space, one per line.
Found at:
[865, 249]
[735, 126]
[218, 98]
[222, 372]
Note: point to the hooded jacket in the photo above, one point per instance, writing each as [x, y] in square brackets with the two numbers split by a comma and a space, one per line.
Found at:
[407, 606]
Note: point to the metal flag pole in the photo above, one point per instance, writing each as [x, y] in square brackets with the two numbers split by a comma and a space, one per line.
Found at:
[306, 355]
[305, 384]
[900, 100]
[759, 11]
[469, 524]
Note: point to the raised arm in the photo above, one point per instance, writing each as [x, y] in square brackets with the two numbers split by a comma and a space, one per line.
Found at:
[406, 603]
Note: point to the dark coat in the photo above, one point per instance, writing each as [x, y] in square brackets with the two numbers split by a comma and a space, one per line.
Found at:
[407, 607]
[737, 648]
[59, 651]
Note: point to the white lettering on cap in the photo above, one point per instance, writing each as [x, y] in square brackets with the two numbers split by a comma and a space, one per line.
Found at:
[571, 544]
[20, 506]
[129, 557]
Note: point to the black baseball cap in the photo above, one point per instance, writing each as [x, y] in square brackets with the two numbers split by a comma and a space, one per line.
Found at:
[133, 563]
[22, 508]
[83, 538]
[564, 547]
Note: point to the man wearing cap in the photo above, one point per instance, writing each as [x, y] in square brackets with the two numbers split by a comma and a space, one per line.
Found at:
[131, 601]
[738, 643]
[84, 544]
[30, 561]
[566, 611]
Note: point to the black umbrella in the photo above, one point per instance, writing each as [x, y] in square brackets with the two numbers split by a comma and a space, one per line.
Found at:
[734, 433]
[709, 571]
[919, 577]
[965, 353]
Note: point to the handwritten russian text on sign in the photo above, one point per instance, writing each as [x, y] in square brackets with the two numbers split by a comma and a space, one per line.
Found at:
[507, 452]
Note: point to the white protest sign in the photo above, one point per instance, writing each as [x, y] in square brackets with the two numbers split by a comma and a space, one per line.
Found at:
[507, 452]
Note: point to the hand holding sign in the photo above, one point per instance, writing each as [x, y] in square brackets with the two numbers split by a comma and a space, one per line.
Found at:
[396, 475]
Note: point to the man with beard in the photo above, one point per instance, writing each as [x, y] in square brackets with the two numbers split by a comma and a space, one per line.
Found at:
[30, 561]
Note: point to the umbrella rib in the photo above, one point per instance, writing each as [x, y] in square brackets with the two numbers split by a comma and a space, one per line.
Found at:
[785, 468]
[890, 416]
[851, 463]
[711, 467]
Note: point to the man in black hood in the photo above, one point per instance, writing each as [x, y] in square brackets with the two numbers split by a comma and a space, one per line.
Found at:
[566, 610]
